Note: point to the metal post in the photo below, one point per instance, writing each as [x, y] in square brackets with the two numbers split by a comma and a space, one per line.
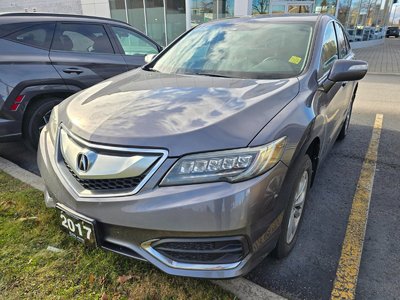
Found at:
[126, 12]
[188, 4]
[337, 8]
[145, 17]
[165, 22]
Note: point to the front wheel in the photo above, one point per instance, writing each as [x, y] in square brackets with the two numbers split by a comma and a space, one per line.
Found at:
[295, 208]
[36, 118]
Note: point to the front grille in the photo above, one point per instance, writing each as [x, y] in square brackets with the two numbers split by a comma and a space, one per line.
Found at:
[107, 184]
[202, 251]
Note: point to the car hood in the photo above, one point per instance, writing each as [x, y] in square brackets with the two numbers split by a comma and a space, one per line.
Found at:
[180, 113]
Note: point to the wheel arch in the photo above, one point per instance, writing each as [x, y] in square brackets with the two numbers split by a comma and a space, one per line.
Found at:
[36, 93]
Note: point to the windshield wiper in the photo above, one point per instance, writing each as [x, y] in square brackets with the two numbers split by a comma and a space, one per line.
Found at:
[150, 69]
[211, 75]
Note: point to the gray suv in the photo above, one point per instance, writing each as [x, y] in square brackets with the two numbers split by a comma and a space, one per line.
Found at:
[201, 161]
[45, 58]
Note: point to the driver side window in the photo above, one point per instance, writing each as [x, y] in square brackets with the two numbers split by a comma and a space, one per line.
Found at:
[329, 50]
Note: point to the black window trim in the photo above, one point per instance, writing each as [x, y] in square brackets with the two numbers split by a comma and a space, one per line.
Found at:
[6, 37]
[118, 44]
[323, 76]
[82, 23]
[345, 41]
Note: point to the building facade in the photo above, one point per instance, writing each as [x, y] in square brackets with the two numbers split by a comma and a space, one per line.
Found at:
[164, 20]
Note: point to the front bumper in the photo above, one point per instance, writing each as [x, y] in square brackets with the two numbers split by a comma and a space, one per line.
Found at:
[130, 225]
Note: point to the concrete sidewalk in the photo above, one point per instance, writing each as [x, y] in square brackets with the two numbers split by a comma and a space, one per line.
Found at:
[383, 59]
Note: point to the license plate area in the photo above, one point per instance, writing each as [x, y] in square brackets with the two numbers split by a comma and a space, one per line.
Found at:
[77, 226]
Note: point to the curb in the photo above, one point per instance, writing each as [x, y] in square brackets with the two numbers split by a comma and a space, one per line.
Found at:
[381, 73]
[246, 290]
[240, 287]
[23, 175]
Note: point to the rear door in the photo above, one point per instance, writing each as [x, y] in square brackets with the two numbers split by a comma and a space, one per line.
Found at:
[83, 54]
[133, 45]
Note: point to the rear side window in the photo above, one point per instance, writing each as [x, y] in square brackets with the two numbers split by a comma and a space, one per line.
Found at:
[86, 38]
[329, 49]
[37, 35]
[133, 43]
[342, 43]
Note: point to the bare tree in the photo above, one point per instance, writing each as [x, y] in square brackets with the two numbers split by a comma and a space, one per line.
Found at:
[261, 6]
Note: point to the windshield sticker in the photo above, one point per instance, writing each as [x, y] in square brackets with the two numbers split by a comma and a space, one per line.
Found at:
[295, 60]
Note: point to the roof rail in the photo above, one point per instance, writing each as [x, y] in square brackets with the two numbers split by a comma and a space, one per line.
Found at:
[38, 14]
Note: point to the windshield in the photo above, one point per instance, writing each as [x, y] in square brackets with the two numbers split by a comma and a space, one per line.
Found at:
[252, 49]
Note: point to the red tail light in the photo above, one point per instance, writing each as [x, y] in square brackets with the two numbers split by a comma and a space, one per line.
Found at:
[18, 100]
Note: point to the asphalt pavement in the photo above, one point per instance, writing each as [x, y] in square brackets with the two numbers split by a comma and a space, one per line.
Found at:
[310, 270]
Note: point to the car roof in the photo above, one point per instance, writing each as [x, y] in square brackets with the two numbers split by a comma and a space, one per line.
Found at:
[281, 18]
[43, 17]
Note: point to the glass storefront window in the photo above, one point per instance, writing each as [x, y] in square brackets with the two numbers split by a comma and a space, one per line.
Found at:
[176, 19]
[207, 10]
[299, 9]
[260, 7]
[352, 21]
[325, 7]
[225, 8]
[202, 11]
[343, 11]
[136, 14]
[154, 10]
[118, 11]
[363, 32]
[278, 9]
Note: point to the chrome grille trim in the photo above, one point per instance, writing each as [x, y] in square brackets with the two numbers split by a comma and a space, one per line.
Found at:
[85, 193]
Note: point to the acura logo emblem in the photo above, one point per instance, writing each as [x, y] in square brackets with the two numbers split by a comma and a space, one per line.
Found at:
[83, 162]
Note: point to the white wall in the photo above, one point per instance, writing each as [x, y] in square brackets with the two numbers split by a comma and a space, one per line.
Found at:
[242, 8]
[98, 8]
[50, 6]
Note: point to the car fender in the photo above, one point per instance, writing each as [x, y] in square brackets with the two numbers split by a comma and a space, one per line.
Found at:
[299, 122]
[30, 93]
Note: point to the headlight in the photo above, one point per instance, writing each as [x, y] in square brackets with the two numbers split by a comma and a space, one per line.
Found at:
[53, 124]
[231, 165]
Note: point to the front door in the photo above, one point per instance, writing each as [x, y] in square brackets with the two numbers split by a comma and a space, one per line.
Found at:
[133, 46]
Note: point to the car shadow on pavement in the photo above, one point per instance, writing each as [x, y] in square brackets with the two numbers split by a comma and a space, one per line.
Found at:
[310, 269]
[21, 155]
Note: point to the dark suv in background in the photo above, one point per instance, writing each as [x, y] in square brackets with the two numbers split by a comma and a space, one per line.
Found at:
[45, 58]
[392, 31]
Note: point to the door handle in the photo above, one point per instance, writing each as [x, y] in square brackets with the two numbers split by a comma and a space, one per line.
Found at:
[73, 70]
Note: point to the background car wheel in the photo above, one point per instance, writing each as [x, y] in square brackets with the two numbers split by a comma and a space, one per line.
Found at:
[36, 118]
[295, 208]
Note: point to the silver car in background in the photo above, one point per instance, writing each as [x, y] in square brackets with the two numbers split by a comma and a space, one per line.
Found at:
[201, 161]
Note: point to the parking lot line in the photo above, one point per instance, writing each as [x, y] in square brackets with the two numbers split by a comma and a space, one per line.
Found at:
[349, 263]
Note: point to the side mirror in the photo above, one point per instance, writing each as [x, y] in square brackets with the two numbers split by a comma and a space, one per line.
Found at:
[149, 57]
[348, 70]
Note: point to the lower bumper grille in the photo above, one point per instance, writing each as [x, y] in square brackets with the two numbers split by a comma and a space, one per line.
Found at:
[203, 251]
[107, 184]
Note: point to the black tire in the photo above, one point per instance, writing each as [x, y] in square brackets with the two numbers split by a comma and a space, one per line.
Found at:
[36, 117]
[284, 246]
[346, 124]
